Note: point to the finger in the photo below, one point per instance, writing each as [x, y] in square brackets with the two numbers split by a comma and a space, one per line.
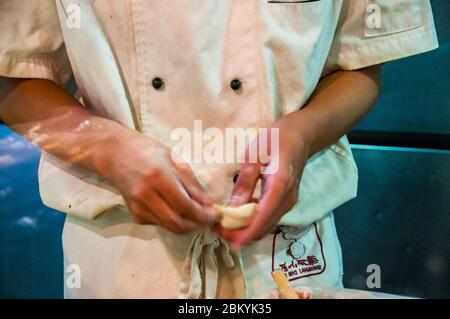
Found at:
[156, 206]
[251, 170]
[192, 185]
[175, 222]
[176, 196]
[229, 235]
[141, 214]
[224, 232]
[267, 213]
[245, 184]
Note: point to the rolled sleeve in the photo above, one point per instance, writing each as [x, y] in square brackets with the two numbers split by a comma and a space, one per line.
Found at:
[32, 45]
[377, 31]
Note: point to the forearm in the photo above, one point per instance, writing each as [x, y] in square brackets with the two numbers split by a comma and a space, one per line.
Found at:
[53, 120]
[341, 100]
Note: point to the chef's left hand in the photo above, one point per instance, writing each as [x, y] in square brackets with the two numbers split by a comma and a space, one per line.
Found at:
[280, 181]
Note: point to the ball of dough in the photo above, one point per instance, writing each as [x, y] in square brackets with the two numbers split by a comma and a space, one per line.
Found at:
[236, 217]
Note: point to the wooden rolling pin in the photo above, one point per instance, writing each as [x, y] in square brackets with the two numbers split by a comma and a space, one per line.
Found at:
[284, 287]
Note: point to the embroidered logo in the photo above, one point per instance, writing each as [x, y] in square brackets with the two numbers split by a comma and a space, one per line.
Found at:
[298, 251]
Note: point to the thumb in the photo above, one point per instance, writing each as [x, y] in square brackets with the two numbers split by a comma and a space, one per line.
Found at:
[245, 184]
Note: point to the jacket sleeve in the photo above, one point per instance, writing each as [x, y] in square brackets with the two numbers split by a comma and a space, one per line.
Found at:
[31, 43]
[377, 31]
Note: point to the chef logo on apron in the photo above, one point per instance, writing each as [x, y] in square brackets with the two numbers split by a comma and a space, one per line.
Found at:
[298, 251]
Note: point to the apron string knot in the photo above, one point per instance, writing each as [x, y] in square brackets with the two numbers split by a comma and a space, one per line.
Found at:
[200, 272]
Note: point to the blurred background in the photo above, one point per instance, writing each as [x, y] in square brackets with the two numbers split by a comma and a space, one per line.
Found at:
[399, 221]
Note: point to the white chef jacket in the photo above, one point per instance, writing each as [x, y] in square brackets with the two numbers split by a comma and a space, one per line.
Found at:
[278, 50]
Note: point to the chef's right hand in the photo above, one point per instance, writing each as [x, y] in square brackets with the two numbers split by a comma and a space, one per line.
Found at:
[156, 189]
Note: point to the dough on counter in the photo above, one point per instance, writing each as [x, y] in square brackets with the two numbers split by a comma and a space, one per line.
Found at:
[235, 217]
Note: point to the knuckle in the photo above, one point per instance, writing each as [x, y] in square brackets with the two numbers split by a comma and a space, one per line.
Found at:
[153, 173]
[248, 173]
[183, 167]
[186, 209]
[247, 170]
[135, 208]
[139, 191]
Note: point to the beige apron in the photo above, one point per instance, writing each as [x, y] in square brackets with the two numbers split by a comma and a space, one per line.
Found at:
[136, 261]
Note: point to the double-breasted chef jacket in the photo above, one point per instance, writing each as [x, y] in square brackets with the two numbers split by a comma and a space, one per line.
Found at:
[159, 65]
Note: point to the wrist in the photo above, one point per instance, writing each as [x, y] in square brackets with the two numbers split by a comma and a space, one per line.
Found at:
[308, 128]
[114, 141]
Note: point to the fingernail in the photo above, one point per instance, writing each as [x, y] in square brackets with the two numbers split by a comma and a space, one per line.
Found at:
[235, 200]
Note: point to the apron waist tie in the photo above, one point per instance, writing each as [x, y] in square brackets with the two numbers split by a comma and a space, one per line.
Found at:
[202, 266]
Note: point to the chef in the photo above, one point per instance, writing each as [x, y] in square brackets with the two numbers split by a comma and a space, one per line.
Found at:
[143, 225]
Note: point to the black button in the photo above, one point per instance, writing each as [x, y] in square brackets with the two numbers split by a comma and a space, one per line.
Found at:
[157, 83]
[235, 178]
[235, 84]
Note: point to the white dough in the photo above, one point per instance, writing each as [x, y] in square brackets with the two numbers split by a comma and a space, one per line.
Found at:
[236, 217]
